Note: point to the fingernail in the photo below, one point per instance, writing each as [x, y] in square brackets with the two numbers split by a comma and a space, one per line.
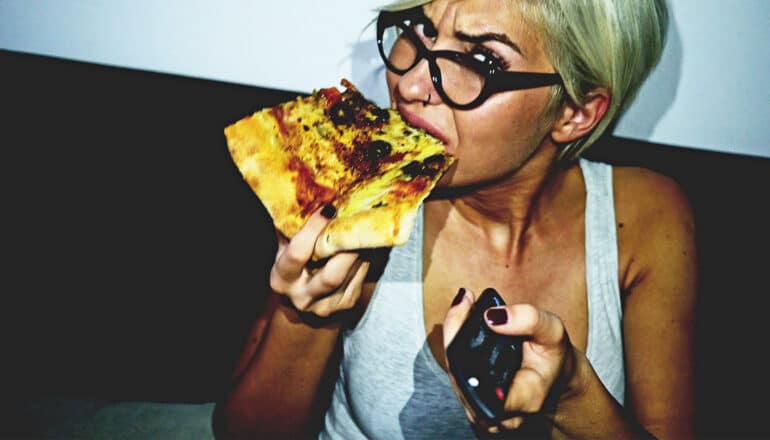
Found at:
[329, 211]
[459, 297]
[497, 316]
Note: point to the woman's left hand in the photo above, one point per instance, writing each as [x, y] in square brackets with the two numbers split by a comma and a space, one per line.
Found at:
[548, 358]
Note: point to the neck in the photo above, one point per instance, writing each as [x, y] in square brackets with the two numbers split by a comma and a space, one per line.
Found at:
[504, 211]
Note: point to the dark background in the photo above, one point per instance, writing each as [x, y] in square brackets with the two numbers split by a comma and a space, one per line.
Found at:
[133, 252]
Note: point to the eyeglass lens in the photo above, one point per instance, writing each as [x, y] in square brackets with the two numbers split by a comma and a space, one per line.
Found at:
[461, 83]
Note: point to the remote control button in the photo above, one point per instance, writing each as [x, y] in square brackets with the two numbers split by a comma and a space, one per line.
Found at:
[500, 393]
[474, 382]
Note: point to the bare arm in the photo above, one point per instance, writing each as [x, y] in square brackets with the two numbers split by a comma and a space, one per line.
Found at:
[659, 315]
[282, 381]
[285, 371]
[658, 319]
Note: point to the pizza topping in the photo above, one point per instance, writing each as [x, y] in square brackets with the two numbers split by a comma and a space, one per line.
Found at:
[377, 117]
[393, 158]
[429, 167]
[341, 114]
[413, 169]
[310, 195]
[418, 185]
[332, 96]
[379, 149]
[366, 158]
[435, 163]
[361, 162]
[277, 113]
[405, 189]
[353, 108]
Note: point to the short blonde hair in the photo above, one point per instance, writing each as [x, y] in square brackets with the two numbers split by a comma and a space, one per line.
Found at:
[593, 44]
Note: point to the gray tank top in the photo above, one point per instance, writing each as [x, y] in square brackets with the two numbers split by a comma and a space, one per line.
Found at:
[390, 385]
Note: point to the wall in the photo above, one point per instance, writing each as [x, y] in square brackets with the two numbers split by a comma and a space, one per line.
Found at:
[709, 91]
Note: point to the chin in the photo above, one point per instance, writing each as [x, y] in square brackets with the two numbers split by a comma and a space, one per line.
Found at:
[451, 185]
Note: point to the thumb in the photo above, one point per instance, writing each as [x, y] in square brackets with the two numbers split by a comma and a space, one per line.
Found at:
[541, 326]
[457, 313]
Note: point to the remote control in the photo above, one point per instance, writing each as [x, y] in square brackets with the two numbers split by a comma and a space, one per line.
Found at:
[483, 362]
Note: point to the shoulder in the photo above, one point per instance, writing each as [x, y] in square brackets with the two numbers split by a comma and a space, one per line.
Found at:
[655, 222]
[649, 194]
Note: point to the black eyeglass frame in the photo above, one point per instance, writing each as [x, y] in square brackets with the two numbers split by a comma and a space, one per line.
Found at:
[496, 80]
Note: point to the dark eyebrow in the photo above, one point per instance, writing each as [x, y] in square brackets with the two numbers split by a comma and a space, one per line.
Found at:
[490, 36]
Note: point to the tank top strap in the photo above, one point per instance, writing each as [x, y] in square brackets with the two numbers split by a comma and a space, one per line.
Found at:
[605, 336]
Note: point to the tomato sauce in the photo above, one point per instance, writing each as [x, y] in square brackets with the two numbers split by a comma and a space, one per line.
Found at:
[278, 114]
[310, 195]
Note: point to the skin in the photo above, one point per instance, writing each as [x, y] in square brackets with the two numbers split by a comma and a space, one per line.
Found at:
[525, 217]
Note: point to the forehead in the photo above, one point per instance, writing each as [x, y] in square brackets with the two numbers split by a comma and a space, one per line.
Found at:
[476, 17]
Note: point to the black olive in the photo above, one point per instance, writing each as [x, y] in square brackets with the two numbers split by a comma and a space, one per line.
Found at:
[354, 100]
[381, 116]
[341, 114]
[413, 169]
[379, 149]
[435, 162]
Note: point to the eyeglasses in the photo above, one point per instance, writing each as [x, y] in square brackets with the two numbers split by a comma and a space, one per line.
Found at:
[463, 80]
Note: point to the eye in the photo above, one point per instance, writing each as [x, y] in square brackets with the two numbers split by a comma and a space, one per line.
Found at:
[489, 57]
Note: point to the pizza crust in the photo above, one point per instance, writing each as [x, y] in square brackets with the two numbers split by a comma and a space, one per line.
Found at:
[258, 152]
[372, 228]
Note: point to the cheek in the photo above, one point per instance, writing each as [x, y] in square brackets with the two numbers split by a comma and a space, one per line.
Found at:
[497, 138]
[391, 79]
[513, 118]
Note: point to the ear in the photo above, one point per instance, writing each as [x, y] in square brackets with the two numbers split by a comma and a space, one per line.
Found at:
[576, 121]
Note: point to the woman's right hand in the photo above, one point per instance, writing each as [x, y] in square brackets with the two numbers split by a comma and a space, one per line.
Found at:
[333, 287]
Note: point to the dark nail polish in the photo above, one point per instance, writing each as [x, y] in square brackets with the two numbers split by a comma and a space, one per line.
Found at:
[329, 211]
[497, 316]
[459, 297]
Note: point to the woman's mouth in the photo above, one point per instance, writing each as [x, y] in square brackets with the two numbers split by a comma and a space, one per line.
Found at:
[418, 122]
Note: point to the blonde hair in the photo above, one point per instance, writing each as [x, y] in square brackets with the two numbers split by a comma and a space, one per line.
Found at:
[593, 44]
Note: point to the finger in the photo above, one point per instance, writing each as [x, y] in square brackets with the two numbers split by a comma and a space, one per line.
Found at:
[486, 426]
[296, 255]
[355, 286]
[541, 326]
[332, 275]
[512, 423]
[282, 243]
[528, 391]
[313, 285]
[457, 313]
[347, 296]
[469, 415]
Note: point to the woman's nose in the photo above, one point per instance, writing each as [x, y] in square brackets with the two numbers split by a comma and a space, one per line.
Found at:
[416, 85]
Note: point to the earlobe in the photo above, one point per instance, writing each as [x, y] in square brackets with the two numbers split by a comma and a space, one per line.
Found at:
[576, 121]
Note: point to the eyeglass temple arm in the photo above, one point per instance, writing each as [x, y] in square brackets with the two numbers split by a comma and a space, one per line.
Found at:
[526, 80]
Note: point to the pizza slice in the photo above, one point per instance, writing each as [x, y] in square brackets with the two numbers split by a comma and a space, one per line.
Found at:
[339, 148]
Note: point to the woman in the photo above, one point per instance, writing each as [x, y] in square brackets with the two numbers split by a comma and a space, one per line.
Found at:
[597, 264]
